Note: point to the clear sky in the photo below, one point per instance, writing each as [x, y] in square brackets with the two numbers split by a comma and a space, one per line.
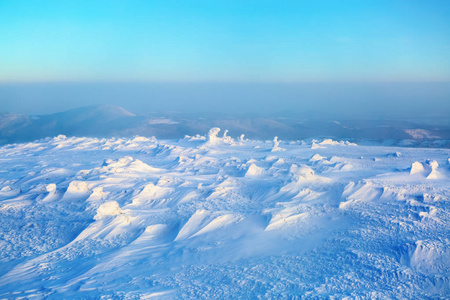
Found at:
[225, 40]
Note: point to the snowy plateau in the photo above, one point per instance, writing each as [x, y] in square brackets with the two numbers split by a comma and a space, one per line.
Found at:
[215, 217]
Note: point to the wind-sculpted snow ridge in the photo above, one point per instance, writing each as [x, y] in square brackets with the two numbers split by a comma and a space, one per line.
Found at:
[210, 216]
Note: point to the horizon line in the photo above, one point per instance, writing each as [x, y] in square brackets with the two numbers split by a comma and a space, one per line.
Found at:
[14, 82]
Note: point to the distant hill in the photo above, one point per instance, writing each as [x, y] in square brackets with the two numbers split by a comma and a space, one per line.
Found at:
[103, 120]
[110, 120]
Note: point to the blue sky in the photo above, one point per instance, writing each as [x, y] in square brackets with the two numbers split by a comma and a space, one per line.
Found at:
[224, 41]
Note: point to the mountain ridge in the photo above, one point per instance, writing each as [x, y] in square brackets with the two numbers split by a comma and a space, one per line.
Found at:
[111, 120]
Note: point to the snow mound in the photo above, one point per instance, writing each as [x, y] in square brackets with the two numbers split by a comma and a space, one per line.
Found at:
[344, 167]
[416, 167]
[153, 232]
[364, 191]
[153, 195]
[254, 170]
[330, 142]
[8, 191]
[218, 223]
[50, 187]
[316, 157]
[126, 165]
[60, 137]
[76, 187]
[430, 257]
[194, 138]
[138, 139]
[304, 173]
[214, 139]
[434, 174]
[195, 223]
[204, 221]
[108, 209]
[276, 145]
[394, 154]
[285, 220]
[314, 145]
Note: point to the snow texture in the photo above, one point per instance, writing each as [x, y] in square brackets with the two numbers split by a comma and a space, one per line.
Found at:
[214, 217]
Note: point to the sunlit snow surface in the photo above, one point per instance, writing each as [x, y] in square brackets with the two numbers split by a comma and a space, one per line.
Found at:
[212, 217]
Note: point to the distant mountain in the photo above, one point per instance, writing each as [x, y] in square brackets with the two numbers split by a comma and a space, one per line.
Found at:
[92, 113]
[87, 121]
[110, 120]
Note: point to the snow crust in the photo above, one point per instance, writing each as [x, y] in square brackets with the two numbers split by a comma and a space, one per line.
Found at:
[209, 216]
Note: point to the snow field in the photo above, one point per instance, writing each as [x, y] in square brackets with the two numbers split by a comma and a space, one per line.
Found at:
[210, 216]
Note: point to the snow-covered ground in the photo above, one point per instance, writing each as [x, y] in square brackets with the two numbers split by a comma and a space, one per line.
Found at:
[215, 217]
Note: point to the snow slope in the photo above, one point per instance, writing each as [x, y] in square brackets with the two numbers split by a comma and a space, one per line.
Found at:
[213, 217]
